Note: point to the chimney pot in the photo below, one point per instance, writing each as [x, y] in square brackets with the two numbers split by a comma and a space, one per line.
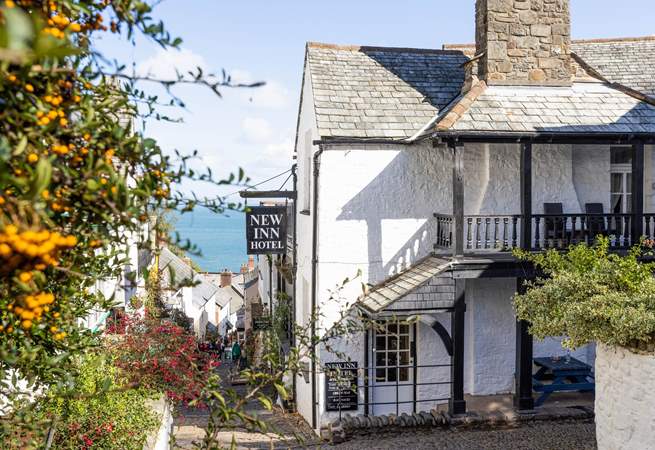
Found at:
[226, 278]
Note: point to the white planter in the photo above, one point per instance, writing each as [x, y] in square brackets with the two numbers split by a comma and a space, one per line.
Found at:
[625, 399]
[160, 440]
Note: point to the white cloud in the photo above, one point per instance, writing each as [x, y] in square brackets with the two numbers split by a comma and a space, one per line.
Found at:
[167, 64]
[256, 130]
[272, 95]
[281, 150]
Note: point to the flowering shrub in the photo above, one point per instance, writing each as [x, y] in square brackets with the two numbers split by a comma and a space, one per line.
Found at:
[589, 294]
[164, 357]
[100, 413]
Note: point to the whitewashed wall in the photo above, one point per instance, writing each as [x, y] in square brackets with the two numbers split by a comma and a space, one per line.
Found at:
[624, 399]
[305, 135]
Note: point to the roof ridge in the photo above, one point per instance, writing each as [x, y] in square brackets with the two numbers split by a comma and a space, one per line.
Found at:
[573, 41]
[358, 48]
[459, 108]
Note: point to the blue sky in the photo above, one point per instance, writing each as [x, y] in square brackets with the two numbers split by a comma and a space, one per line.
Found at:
[264, 40]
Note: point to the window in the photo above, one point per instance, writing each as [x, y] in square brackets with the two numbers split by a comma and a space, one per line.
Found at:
[392, 351]
[621, 180]
[620, 155]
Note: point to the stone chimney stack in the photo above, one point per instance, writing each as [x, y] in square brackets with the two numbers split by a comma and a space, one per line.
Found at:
[524, 42]
[226, 278]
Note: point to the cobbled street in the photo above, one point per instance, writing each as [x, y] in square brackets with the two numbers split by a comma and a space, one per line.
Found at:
[537, 436]
[289, 431]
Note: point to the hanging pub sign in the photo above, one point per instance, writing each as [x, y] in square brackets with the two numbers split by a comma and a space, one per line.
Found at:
[341, 386]
[266, 230]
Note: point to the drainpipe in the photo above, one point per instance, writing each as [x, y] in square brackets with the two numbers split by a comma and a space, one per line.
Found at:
[314, 208]
[294, 269]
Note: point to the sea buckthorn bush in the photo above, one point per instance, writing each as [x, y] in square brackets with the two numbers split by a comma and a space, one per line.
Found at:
[77, 180]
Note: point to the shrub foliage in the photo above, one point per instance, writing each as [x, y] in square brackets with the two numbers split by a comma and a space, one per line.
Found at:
[589, 294]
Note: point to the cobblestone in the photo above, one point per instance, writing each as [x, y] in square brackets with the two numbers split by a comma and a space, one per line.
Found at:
[579, 435]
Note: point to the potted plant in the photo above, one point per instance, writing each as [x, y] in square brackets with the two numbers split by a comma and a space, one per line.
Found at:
[591, 295]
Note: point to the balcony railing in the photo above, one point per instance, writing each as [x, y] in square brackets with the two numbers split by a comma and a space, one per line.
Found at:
[501, 233]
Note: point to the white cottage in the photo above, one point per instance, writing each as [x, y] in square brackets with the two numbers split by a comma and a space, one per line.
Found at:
[188, 291]
[424, 168]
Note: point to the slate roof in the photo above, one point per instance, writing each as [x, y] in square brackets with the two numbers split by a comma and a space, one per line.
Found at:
[380, 92]
[176, 272]
[382, 296]
[398, 93]
[581, 108]
[630, 62]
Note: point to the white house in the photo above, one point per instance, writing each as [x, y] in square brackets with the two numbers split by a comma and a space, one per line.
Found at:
[188, 291]
[423, 169]
[230, 301]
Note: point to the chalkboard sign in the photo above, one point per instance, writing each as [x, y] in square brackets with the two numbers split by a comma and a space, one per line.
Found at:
[341, 382]
[266, 230]
[261, 323]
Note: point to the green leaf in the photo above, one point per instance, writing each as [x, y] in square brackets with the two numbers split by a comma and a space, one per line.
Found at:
[20, 148]
[42, 176]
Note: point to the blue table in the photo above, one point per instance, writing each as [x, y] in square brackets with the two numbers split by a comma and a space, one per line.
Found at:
[566, 375]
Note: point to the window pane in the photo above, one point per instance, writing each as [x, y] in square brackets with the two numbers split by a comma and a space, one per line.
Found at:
[404, 374]
[404, 358]
[404, 342]
[616, 204]
[393, 328]
[617, 183]
[392, 342]
[391, 374]
[628, 183]
[380, 359]
[404, 329]
[392, 359]
[621, 155]
[628, 204]
[380, 375]
[380, 343]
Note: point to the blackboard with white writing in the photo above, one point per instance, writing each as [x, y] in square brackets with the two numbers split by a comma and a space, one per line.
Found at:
[341, 386]
[266, 230]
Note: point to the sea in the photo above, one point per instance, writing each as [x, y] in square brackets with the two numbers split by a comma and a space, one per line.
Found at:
[221, 238]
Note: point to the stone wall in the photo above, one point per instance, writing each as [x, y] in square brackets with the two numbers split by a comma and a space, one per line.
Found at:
[624, 399]
[524, 41]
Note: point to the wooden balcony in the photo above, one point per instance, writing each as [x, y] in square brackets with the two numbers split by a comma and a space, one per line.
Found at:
[502, 233]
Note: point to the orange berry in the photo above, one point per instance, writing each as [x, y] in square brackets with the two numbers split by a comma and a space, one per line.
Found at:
[29, 88]
[12, 78]
[25, 277]
[32, 158]
[26, 324]
[63, 122]
[45, 194]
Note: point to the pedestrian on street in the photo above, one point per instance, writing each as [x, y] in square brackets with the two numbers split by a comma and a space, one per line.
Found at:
[236, 352]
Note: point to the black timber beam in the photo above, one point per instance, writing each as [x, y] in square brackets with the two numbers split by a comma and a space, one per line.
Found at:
[526, 196]
[638, 158]
[458, 200]
[523, 399]
[268, 194]
[545, 138]
[457, 404]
